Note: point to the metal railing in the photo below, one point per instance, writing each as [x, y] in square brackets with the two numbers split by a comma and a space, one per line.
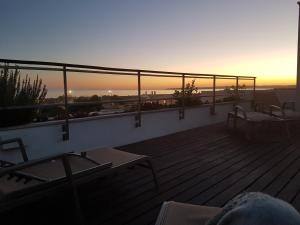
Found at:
[65, 68]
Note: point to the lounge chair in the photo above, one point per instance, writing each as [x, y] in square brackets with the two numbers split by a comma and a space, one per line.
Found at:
[287, 111]
[250, 116]
[33, 180]
[254, 119]
[39, 177]
[120, 159]
[261, 105]
[175, 213]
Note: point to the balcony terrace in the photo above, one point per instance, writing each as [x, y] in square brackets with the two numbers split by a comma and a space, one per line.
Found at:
[206, 166]
[197, 159]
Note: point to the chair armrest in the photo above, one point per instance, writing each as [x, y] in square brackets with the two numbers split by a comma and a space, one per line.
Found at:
[8, 141]
[21, 146]
[24, 165]
[239, 108]
[276, 108]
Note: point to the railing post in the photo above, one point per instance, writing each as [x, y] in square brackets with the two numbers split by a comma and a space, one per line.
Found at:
[213, 107]
[138, 119]
[181, 110]
[237, 90]
[297, 100]
[254, 88]
[65, 127]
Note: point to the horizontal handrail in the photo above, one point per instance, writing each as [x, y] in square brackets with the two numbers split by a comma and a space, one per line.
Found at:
[151, 72]
[202, 76]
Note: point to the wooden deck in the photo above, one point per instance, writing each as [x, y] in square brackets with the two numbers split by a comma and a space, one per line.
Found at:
[206, 166]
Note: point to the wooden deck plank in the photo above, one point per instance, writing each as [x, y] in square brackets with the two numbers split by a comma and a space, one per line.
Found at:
[192, 191]
[204, 165]
[291, 189]
[267, 179]
[191, 183]
[165, 161]
[188, 163]
[282, 179]
[241, 183]
[181, 180]
[151, 213]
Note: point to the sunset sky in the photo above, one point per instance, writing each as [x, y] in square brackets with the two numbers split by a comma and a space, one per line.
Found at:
[240, 37]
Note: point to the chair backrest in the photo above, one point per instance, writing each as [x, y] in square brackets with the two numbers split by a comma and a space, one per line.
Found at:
[267, 97]
[12, 145]
[263, 100]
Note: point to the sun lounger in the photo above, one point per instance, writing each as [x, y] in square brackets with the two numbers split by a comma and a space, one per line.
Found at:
[36, 179]
[287, 111]
[120, 159]
[175, 213]
[250, 116]
[23, 182]
[261, 109]
[254, 119]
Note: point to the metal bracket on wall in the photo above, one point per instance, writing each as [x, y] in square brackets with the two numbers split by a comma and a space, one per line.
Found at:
[65, 130]
[65, 127]
[138, 120]
[181, 113]
[212, 110]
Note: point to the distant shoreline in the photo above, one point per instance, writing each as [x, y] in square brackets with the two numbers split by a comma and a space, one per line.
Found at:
[54, 93]
[257, 86]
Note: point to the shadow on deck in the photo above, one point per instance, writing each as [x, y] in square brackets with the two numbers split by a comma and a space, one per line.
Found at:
[206, 166]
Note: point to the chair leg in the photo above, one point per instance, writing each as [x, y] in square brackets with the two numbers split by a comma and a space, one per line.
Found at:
[285, 126]
[153, 174]
[73, 187]
[234, 123]
[77, 205]
[249, 133]
[228, 120]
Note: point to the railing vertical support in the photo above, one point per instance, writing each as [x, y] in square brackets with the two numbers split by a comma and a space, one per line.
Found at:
[65, 127]
[181, 111]
[237, 90]
[213, 107]
[254, 89]
[297, 100]
[138, 119]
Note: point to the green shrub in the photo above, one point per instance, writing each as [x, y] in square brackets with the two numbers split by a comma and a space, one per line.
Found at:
[232, 93]
[17, 92]
[190, 97]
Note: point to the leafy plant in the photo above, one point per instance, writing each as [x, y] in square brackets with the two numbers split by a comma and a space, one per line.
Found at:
[188, 95]
[17, 92]
[231, 93]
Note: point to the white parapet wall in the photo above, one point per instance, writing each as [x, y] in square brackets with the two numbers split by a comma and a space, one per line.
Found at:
[89, 133]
